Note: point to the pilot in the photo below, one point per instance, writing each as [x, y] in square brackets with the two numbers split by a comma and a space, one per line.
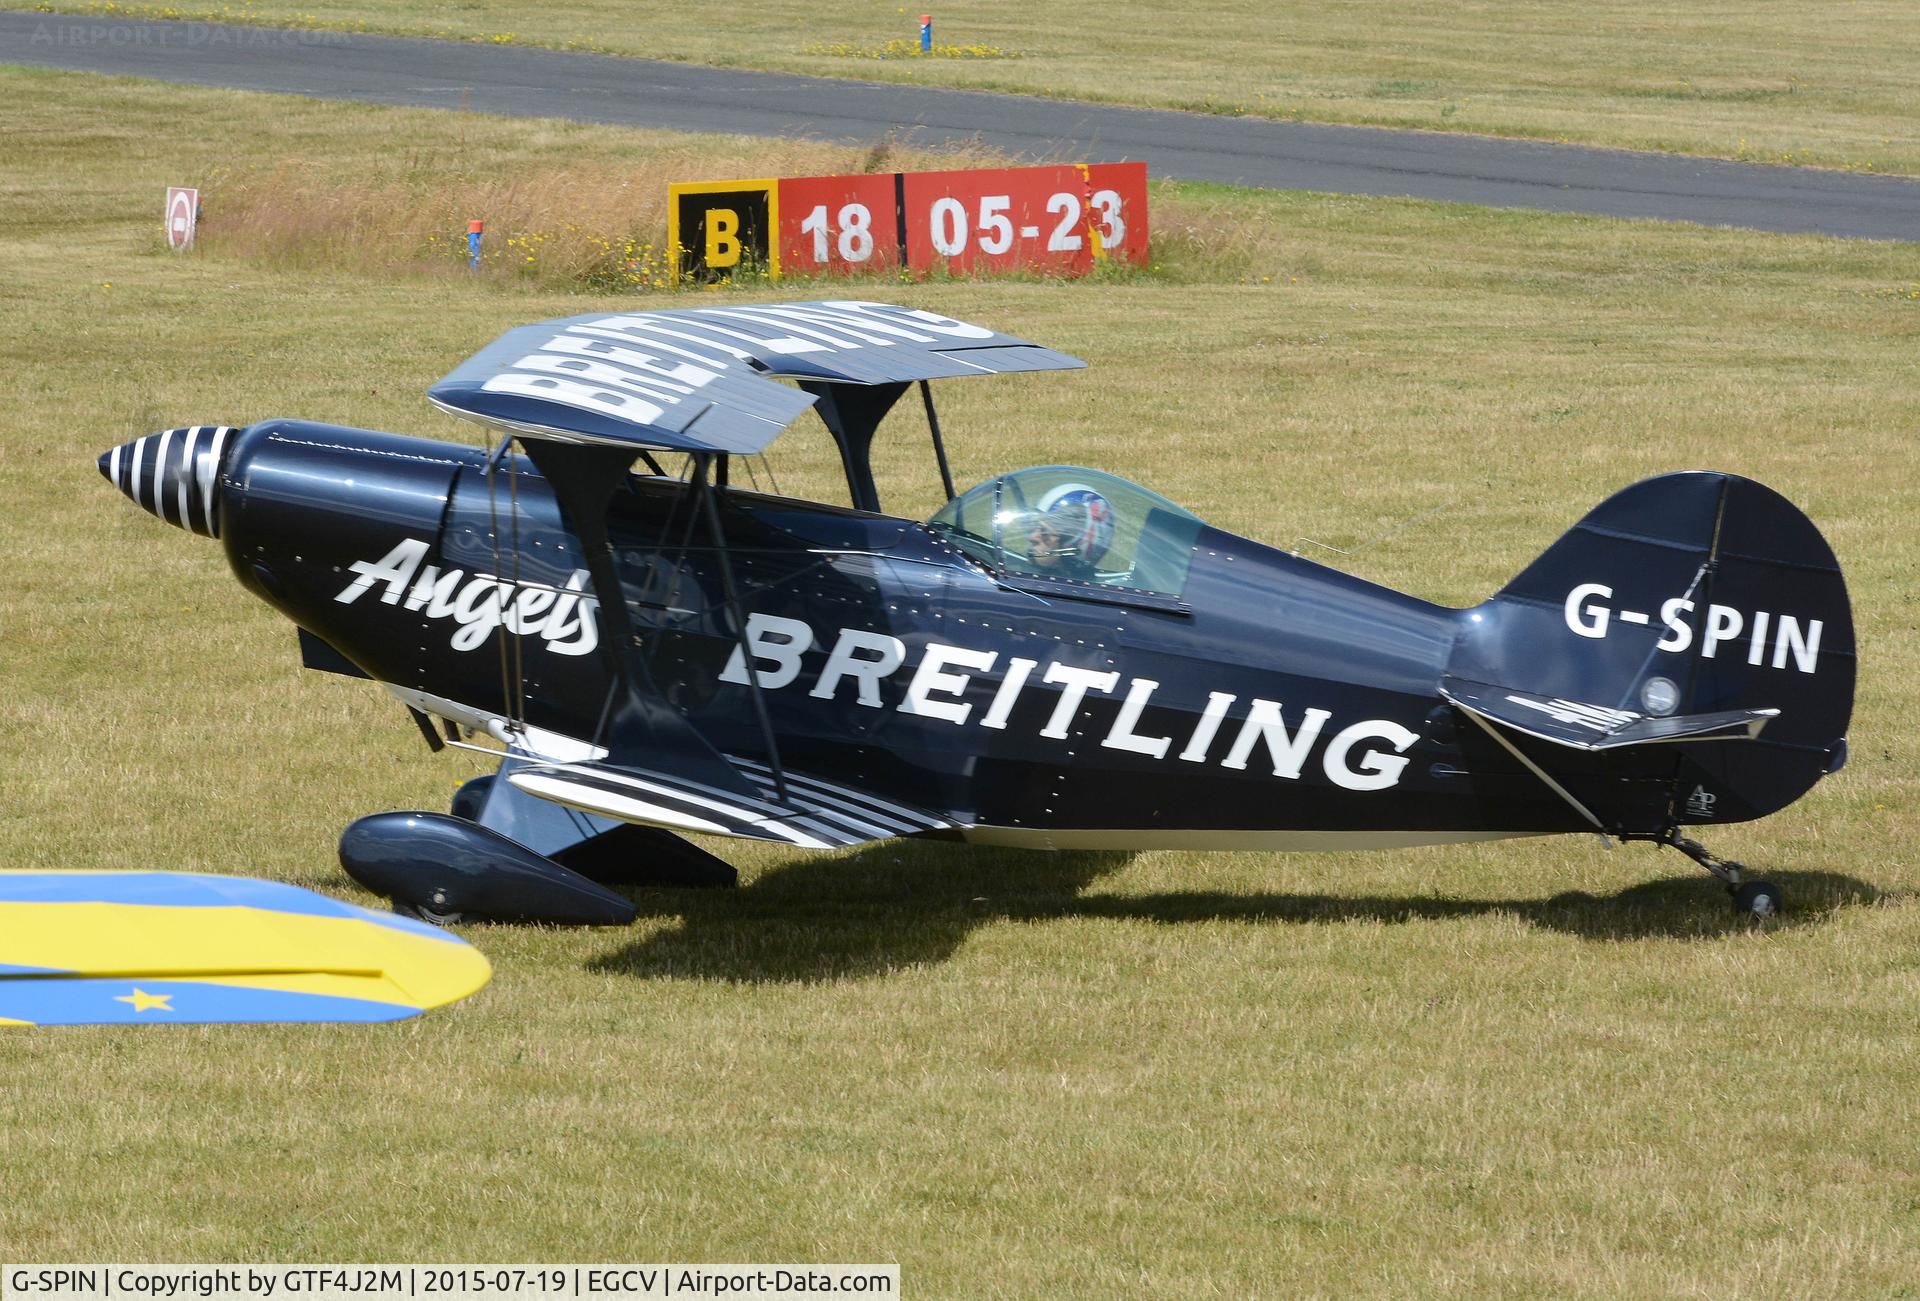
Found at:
[1069, 533]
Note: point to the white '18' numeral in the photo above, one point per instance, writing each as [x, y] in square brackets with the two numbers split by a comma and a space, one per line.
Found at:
[856, 233]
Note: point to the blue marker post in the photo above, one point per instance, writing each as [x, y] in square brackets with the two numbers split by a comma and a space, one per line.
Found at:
[474, 230]
[926, 33]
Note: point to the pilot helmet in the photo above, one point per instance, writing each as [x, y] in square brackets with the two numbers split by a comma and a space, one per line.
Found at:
[1082, 517]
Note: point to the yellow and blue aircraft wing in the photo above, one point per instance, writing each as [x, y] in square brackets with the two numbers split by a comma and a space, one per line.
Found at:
[90, 948]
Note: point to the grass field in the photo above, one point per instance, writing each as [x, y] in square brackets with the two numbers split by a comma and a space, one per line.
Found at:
[1524, 1068]
[1773, 80]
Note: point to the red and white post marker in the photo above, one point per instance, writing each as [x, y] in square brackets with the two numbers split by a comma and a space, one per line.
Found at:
[183, 214]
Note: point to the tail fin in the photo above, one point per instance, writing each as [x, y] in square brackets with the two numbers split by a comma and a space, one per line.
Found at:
[1696, 600]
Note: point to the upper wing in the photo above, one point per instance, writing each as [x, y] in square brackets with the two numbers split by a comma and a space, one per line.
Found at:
[586, 393]
[702, 379]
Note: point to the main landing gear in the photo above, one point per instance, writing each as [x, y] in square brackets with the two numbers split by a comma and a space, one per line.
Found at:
[510, 856]
[1750, 898]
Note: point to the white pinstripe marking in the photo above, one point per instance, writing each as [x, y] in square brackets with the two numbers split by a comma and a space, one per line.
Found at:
[847, 822]
[133, 478]
[1577, 713]
[160, 476]
[186, 472]
[113, 466]
[680, 793]
[851, 815]
[210, 476]
[794, 837]
[606, 775]
[592, 800]
[870, 805]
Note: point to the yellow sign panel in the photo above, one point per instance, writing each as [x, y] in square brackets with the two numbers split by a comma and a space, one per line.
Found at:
[718, 228]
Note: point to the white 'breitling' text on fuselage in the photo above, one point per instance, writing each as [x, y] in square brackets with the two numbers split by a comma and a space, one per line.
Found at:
[940, 681]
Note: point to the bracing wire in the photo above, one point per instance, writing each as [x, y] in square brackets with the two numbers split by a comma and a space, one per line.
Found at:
[517, 709]
[1372, 541]
[493, 536]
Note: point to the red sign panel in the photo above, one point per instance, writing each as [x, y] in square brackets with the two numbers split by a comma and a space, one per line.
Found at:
[1048, 219]
[839, 223]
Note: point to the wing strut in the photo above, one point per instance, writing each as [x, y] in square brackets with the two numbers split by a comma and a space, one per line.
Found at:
[852, 412]
[641, 728]
[706, 493]
[939, 447]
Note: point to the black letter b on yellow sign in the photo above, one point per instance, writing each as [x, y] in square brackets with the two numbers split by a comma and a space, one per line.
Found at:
[720, 232]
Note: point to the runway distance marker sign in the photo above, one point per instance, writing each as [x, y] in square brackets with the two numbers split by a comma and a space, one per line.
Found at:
[1058, 220]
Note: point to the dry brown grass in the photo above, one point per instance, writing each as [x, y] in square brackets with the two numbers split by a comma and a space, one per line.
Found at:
[599, 227]
[594, 226]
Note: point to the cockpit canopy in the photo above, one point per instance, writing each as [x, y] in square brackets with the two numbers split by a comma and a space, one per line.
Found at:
[1069, 523]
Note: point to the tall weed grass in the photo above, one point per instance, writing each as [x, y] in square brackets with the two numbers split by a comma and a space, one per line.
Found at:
[592, 226]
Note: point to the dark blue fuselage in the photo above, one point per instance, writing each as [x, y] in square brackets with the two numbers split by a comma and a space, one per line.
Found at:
[1275, 703]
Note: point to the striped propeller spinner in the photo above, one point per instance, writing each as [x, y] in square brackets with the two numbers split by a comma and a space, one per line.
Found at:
[173, 474]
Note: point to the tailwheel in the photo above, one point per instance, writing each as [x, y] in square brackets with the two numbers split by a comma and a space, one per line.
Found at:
[1757, 899]
[1750, 898]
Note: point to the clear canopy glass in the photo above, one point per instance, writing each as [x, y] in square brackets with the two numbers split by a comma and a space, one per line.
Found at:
[1073, 524]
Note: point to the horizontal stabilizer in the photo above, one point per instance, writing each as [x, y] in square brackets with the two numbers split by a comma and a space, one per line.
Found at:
[1582, 726]
[93, 948]
[814, 814]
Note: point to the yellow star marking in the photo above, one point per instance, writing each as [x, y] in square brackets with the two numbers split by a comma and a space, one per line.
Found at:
[144, 1002]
